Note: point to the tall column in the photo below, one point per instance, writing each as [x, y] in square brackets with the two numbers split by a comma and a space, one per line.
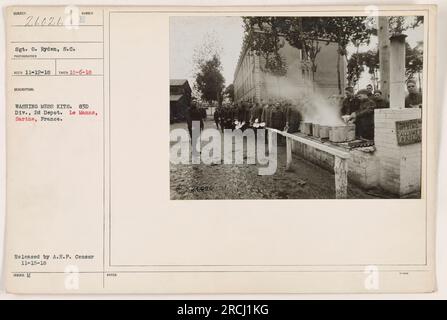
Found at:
[384, 56]
[400, 163]
[257, 78]
[397, 71]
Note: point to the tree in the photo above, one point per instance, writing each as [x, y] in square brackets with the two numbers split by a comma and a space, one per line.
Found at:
[371, 61]
[306, 34]
[262, 36]
[209, 80]
[357, 64]
[391, 25]
[355, 68]
[209, 48]
[265, 37]
[229, 92]
[414, 61]
[345, 30]
[399, 24]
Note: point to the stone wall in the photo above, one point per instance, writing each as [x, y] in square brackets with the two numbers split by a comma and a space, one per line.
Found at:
[318, 157]
[362, 166]
[400, 166]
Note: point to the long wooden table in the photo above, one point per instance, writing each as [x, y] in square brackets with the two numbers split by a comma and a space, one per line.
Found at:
[340, 159]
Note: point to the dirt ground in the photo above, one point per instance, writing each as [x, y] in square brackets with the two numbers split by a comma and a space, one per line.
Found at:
[222, 181]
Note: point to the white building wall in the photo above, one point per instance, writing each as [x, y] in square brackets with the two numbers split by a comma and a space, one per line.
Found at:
[252, 82]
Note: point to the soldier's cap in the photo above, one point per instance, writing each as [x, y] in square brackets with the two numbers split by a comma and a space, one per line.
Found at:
[349, 89]
[378, 91]
[411, 81]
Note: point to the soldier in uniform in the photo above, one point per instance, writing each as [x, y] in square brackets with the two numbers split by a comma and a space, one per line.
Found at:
[216, 115]
[194, 114]
[364, 116]
[350, 103]
[414, 98]
[255, 113]
[380, 101]
[223, 117]
[203, 113]
[231, 116]
[265, 117]
[277, 117]
[370, 90]
[194, 120]
[255, 117]
[240, 111]
[293, 118]
[244, 114]
[278, 120]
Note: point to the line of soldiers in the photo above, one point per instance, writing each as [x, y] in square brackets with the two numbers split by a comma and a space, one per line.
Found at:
[281, 115]
[285, 115]
[359, 108]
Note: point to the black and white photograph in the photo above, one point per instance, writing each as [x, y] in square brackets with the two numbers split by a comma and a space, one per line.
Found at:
[283, 107]
[304, 155]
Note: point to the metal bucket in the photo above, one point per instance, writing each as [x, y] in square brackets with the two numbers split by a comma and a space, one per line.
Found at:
[342, 133]
[316, 130]
[324, 132]
[351, 132]
[308, 128]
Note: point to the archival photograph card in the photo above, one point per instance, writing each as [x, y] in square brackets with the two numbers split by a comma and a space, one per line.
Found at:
[221, 149]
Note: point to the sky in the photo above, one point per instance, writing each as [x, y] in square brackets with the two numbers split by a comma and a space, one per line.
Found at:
[187, 34]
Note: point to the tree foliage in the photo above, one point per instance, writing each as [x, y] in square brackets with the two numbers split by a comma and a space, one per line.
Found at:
[208, 48]
[262, 36]
[355, 68]
[399, 24]
[372, 62]
[346, 30]
[209, 79]
[357, 63]
[305, 34]
[265, 35]
[229, 92]
[414, 61]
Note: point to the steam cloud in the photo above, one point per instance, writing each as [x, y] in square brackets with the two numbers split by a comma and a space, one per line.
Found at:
[313, 105]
